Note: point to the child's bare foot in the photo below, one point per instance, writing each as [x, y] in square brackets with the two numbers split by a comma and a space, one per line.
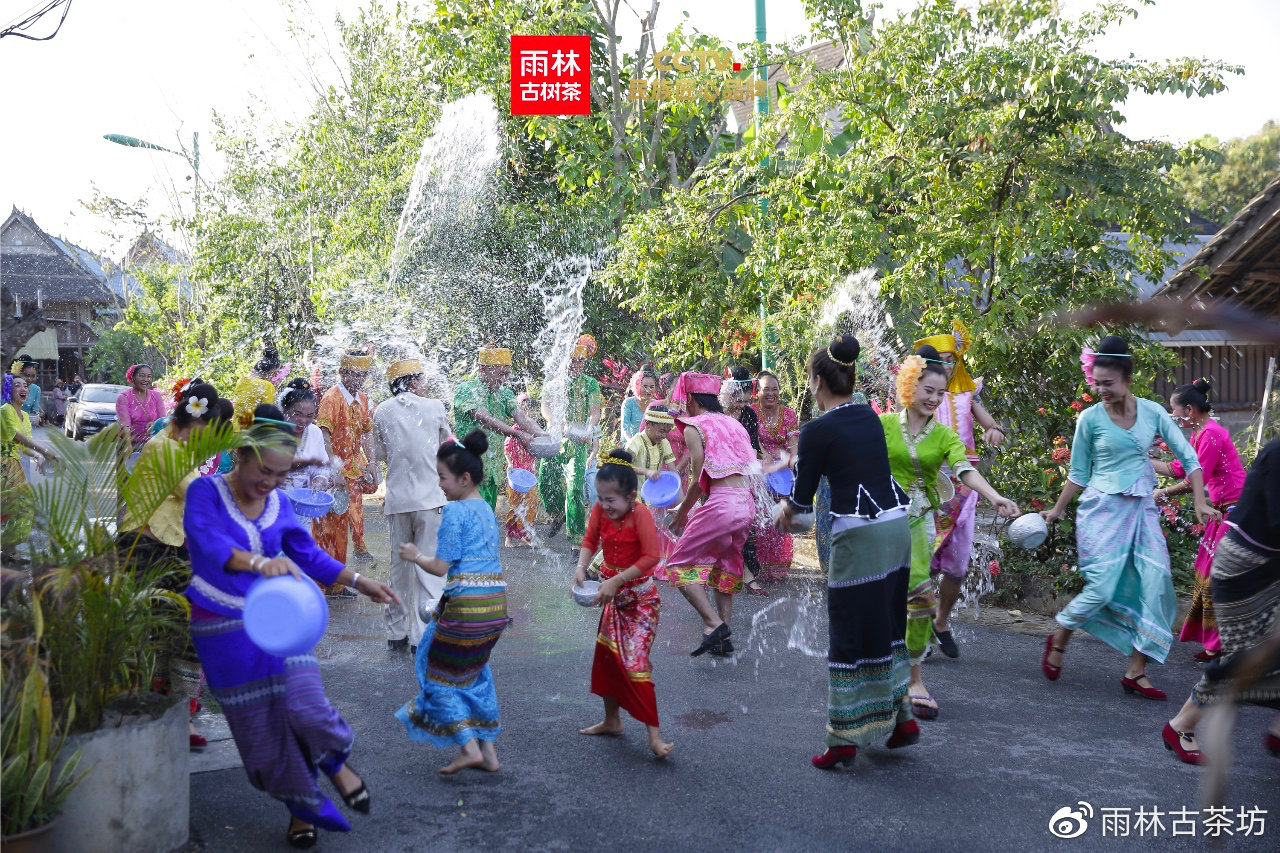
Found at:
[490, 754]
[661, 749]
[468, 756]
[605, 728]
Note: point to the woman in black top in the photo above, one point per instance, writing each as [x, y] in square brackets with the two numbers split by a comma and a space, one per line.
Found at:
[1246, 601]
[868, 665]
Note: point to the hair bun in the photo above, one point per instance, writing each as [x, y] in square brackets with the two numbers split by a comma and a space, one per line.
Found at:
[928, 352]
[476, 442]
[300, 384]
[1113, 345]
[618, 453]
[1202, 385]
[846, 348]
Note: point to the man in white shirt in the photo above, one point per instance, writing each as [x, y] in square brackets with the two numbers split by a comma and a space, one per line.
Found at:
[408, 429]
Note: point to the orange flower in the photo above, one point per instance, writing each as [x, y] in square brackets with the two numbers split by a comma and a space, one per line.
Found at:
[1087, 397]
[1077, 405]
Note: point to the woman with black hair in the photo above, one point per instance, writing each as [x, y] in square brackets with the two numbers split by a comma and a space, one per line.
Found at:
[919, 444]
[868, 667]
[708, 553]
[621, 673]
[257, 388]
[240, 526]
[1224, 477]
[458, 704]
[1128, 600]
[313, 464]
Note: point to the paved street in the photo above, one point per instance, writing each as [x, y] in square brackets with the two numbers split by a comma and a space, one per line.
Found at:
[1008, 750]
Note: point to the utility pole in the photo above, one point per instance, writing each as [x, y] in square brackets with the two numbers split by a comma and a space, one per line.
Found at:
[762, 109]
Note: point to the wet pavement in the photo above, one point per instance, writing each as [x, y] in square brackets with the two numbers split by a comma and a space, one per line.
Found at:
[1008, 750]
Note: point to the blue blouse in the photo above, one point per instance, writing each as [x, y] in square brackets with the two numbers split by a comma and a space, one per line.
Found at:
[214, 525]
[632, 418]
[468, 542]
[1111, 459]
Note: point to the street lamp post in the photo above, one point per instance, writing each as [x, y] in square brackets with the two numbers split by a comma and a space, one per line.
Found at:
[135, 142]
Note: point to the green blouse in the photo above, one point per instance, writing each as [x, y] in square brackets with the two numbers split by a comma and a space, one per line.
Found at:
[917, 460]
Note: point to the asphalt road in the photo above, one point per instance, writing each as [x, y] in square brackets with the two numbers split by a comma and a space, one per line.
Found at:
[1008, 750]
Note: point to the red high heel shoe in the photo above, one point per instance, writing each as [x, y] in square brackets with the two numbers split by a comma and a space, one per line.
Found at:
[1051, 672]
[1173, 743]
[904, 734]
[835, 755]
[199, 741]
[1272, 743]
[1131, 685]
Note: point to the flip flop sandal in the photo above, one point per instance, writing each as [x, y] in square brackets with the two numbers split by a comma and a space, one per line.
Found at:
[922, 711]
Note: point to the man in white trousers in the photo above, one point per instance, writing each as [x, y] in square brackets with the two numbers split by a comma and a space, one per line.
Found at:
[408, 429]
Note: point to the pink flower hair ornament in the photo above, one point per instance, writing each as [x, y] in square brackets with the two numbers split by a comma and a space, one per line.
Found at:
[1087, 358]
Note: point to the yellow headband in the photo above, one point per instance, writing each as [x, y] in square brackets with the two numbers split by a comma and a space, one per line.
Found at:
[957, 343]
[404, 367]
[492, 356]
[606, 459]
[356, 361]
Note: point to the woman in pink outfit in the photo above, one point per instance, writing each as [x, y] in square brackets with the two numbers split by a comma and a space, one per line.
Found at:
[1223, 479]
[140, 406]
[779, 432]
[708, 552]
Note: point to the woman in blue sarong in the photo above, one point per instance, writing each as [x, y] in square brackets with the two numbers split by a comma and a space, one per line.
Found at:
[241, 526]
[458, 705]
[1128, 600]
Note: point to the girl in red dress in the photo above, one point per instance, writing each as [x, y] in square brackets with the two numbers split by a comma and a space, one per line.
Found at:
[621, 673]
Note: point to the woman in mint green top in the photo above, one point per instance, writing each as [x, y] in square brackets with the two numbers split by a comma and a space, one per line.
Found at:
[1128, 600]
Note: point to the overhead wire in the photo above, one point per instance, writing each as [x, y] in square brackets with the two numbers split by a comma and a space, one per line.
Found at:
[16, 28]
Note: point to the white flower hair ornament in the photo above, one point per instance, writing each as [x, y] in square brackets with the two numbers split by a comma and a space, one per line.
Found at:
[197, 406]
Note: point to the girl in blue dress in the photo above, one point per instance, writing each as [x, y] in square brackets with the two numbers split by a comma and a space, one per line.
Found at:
[458, 704]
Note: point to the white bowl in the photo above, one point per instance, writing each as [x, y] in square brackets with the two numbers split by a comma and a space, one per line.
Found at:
[801, 522]
[1028, 531]
[544, 447]
[585, 593]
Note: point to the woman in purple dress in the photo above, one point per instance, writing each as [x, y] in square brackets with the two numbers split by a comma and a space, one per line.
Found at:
[241, 526]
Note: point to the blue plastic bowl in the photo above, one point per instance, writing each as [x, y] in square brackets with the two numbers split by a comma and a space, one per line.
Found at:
[132, 461]
[285, 616]
[663, 491]
[781, 481]
[521, 480]
[309, 503]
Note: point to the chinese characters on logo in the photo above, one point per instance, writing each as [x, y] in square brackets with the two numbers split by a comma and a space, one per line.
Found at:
[1143, 822]
[550, 75]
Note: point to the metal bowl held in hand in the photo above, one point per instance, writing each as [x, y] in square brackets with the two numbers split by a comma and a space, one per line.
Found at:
[801, 522]
[577, 432]
[544, 447]
[1028, 531]
[285, 616]
[341, 499]
[309, 503]
[662, 492]
[585, 593]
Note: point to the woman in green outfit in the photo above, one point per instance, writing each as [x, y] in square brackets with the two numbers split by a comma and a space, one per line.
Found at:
[918, 446]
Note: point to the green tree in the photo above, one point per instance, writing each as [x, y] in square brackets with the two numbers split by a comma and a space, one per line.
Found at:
[1221, 184]
[969, 155]
[116, 349]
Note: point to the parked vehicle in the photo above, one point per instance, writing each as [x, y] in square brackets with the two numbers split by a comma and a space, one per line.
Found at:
[91, 410]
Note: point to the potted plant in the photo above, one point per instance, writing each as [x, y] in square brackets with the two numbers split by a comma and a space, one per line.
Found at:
[35, 780]
[98, 619]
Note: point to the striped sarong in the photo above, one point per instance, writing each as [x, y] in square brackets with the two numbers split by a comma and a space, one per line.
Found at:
[459, 701]
[868, 665]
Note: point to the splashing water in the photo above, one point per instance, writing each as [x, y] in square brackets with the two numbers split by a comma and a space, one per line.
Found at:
[795, 622]
[854, 306]
[561, 291]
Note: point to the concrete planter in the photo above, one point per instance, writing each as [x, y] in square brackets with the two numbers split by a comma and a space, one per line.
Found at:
[32, 841]
[136, 796]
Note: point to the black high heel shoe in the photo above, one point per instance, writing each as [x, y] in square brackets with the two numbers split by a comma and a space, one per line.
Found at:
[357, 799]
[835, 755]
[302, 839]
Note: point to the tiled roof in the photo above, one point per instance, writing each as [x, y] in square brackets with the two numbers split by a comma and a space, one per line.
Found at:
[33, 263]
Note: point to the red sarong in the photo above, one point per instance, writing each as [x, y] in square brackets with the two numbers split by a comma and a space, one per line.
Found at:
[621, 669]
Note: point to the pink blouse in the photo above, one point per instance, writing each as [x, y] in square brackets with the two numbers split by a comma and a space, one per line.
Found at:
[956, 412]
[139, 415]
[776, 434]
[726, 447]
[1223, 471]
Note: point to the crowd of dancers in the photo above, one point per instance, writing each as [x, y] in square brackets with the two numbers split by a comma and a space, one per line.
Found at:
[895, 497]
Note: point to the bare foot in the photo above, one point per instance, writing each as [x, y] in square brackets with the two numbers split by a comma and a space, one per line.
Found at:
[466, 758]
[490, 754]
[660, 748]
[605, 728]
